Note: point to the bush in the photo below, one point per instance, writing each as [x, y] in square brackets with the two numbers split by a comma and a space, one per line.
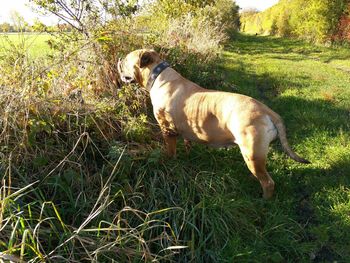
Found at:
[282, 25]
[190, 35]
[342, 34]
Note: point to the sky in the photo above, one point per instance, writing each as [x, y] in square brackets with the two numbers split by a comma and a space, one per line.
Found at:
[261, 5]
[22, 7]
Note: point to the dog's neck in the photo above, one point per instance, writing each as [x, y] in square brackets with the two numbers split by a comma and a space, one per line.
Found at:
[156, 71]
[146, 74]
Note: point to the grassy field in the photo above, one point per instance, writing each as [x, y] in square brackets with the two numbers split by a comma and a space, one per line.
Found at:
[127, 202]
[35, 43]
[309, 87]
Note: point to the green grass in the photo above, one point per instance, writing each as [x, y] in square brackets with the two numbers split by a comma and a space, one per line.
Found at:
[34, 43]
[309, 87]
[106, 198]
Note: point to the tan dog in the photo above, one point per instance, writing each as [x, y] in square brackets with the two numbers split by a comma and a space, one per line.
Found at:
[207, 116]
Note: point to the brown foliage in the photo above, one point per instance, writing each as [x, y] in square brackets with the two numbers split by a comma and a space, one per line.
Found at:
[343, 33]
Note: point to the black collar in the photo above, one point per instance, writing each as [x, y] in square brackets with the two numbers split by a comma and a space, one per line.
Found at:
[155, 73]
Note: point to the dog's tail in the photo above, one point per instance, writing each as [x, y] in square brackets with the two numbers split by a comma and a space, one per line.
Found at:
[277, 121]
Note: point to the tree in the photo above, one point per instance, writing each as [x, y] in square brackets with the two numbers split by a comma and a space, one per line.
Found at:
[84, 15]
[18, 22]
[282, 24]
[5, 27]
[249, 11]
[38, 26]
[315, 20]
[274, 28]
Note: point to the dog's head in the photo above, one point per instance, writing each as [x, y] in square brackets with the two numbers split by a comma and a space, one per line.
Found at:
[137, 66]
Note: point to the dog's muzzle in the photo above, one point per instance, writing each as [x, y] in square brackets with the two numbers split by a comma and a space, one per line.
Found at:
[124, 78]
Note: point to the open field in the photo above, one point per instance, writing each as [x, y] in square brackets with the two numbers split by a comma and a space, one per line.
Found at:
[123, 200]
[34, 43]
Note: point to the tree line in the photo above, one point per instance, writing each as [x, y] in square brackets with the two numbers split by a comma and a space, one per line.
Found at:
[19, 24]
[313, 20]
[36, 27]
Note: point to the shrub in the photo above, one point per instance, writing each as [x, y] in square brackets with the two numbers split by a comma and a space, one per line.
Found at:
[189, 34]
[343, 32]
[283, 26]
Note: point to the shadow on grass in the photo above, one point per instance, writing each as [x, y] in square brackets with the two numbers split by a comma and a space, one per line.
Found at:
[261, 86]
[321, 209]
[259, 45]
[312, 125]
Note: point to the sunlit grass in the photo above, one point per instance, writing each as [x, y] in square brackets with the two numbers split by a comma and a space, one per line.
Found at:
[309, 87]
[35, 43]
[76, 188]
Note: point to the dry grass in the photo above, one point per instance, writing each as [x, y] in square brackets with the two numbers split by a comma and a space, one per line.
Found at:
[196, 35]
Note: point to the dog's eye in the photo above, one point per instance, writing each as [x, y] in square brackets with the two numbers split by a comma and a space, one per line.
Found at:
[128, 78]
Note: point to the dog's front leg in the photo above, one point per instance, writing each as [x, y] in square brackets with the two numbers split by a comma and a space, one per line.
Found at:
[168, 130]
[170, 143]
[188, 146]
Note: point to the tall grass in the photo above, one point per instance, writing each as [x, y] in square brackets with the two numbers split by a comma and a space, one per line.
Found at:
[84, 177]
[52, 143]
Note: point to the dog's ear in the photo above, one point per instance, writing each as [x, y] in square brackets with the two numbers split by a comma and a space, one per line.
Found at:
[146, 58]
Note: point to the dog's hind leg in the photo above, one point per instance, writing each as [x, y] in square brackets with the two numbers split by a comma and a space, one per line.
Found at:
[254, 151]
